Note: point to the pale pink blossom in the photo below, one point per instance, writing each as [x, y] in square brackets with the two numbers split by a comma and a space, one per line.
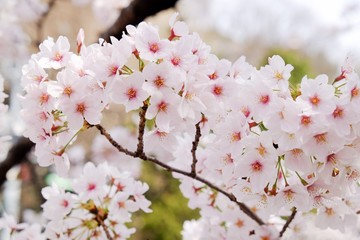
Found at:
[163, 108]
[129, 92]
[54, 54]
[77, 110]
[161, 76]
[258, 170]
[277, 74]
[178, 28]
[318, 94]
[149, 44]
[89, 186]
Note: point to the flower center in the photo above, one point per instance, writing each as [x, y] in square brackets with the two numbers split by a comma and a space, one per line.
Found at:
[217, 90]
[154, 47]
[162, 107]
[264, 99]
[159, 81]
[67, 91]
[91, 187]
[338, 112]
[355, 92]
[314, 100]
[213, 76]
[121, 204]
[81, 108]
[320, 138]
[131, 93]
[278, 76]
[305, 120]
[113, 70]
[65, 203]
[235, 137]
[58, 57]
[175, 61]
[44, 98]
[256, 166]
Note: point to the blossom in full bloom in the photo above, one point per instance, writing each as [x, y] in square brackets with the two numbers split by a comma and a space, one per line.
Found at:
[129, 91]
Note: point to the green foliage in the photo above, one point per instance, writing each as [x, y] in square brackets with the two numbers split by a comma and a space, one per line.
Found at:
[169, 207]
[300, 63]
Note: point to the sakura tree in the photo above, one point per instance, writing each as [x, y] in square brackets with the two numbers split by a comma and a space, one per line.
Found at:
[255, 154]
[258, 156]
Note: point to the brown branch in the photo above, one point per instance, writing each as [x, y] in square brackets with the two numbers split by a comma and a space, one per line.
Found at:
[103, 225]
[16, 155]
[133, 14]
[143, 156]
[113, 142]
[140, 145]
[195, 144]
[288, 221]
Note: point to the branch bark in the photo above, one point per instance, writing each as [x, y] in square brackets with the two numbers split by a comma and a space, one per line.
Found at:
[16, 155]
[195, 144]
[144, 157]
[136, 12]
[288, 221]
[140, 145]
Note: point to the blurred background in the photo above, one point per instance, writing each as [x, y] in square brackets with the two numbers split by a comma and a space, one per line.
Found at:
[315, 36]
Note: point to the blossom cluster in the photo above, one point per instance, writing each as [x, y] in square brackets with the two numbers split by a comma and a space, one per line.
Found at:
[98, 206]
[274, 146]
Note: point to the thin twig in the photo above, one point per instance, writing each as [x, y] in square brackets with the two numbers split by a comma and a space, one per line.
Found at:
[113, 142]
[143, 156]
[103, 225]
[195, 144]
[288, 221]
[140, 145]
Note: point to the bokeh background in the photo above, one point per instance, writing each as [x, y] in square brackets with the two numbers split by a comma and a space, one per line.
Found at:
[315, 36]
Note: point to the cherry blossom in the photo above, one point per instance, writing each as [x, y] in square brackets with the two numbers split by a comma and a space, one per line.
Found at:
[149, 44]
[98, 205]
[54, 54]
[230, 133]
[128, 91]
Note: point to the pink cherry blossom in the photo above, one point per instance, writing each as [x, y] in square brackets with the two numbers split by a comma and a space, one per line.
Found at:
[277, 73]
[54, 54]
[86, 108]
[259, 170]
[90, 187]
[149, 44]
[129, 91]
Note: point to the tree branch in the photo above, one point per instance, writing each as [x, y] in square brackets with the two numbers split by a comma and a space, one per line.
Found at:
[136, 12]
[140, 145]
[144, 157]
[103, 225]
[16, 155]
[288, 221]
[113, 142]
[195, 144]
